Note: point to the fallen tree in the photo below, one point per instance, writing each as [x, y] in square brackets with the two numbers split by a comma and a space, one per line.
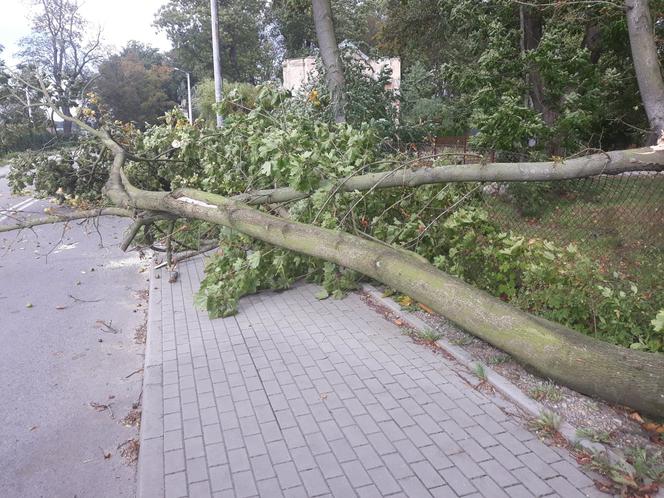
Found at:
[583, 363]
[569, 357]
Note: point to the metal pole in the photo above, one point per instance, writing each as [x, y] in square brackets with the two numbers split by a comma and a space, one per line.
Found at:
[216, 59]
[27, 99]
[191, 116]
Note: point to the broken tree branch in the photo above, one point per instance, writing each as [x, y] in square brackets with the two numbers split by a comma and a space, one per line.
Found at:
[58, 218]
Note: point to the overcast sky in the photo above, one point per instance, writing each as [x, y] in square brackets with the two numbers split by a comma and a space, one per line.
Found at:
[121, 20]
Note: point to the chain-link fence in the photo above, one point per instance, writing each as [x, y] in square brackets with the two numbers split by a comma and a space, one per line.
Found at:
[619, 212]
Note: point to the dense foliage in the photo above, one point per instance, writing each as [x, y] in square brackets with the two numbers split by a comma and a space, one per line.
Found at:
[247, 53]
[137, 85]
[549, 76]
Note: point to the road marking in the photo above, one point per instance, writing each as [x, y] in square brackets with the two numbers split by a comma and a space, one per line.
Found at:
[21, 206]
[15, 206]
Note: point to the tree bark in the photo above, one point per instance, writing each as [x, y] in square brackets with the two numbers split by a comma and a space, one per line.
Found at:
[329, 52]
[66, 125]
[646, 64]
[531, 34]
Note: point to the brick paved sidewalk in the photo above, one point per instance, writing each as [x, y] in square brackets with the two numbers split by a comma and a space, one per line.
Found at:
[300, 397]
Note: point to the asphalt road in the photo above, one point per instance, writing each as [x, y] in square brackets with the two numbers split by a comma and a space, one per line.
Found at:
[58, 287]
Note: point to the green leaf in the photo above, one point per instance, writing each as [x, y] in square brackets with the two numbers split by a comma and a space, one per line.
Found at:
[322, 294]
[254, 259]
[266, 168]
[658, 322]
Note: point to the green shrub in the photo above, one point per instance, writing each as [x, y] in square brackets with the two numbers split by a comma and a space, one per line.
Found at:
[560, 284]
[243, 95]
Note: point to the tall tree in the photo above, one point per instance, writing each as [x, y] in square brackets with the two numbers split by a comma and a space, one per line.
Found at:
[247, 51]
[329, 51]
[136, 85]
[60, 48]
[292, 24]
[22, 124]
[646, 63]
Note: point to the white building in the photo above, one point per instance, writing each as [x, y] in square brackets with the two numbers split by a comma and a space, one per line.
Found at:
[297, 72]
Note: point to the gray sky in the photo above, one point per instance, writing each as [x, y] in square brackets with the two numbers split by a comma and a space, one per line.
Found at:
[121, 20]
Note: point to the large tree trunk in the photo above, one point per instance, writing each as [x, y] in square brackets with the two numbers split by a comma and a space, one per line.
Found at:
[646, 64]
[329, 52]
[531, 34]
[66, 125]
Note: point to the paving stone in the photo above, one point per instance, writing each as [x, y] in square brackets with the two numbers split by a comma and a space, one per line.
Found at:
[269, 488]
[287, 475]
[244, 484]
[173, 440]
[314, 482]
[197, 470]
[498, 473]
[278, 452]
[356, 474]
[216, 454]
[340, 486]
[572, 474]
[194, 447]
[368, 457]
[200, 490]
[299, 397]
[174, 462]
[518, 491]
[534, 484]
[408, 451]
[505, 457]
[563, 487]
[412, 486]
[303, 458]
[538, 466]
[488, 487]
[427, 474]
[238, 460]
[176, 485]
[457, 481]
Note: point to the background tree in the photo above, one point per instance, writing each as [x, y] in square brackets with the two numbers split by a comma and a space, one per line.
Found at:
[137, 85]
[557, 74]
[22, 125]
[331, 57]
[61, 50]
[247, 51]
[646, 63]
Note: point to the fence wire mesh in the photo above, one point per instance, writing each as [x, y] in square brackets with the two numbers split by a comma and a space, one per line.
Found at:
[620, 212]
[624, 210]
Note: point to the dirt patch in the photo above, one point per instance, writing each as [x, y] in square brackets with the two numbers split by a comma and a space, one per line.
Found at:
[141, 332]
[129, 451]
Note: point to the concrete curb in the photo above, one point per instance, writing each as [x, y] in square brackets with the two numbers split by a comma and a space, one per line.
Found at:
[150, 470]
[500, 383]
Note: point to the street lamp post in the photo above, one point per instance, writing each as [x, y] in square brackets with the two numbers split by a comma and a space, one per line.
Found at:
[191, 116]
[216, 59]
